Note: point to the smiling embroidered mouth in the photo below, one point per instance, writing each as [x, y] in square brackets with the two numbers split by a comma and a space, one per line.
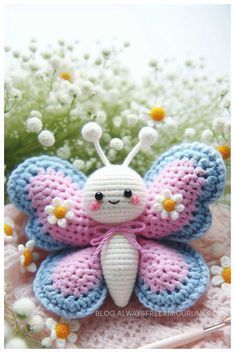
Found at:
[114, 202]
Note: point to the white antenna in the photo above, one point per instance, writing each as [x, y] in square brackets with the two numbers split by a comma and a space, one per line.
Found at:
[92, 132]
[147, 137]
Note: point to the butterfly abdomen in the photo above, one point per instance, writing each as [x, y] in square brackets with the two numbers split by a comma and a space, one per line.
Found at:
[119, 261]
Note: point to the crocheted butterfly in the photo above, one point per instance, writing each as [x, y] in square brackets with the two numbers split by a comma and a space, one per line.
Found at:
[128, 232]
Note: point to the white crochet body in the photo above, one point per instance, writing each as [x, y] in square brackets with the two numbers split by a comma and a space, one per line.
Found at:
[119, 261]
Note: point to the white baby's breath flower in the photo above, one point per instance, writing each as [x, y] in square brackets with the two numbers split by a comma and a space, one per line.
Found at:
[227, 126]
[55, 61]
[101, 117]
[168, 205]
[86, 56]
[16, 54]
[87, 87]
[61, 41]
[218, 124]
[117, 144]
[36, 323]
[153, 63]
[23, 308]
[46, 342]
[16, 94]
[46, 54]
[35, 113]
[227, 103]
[62, 332]
[98, 61]
[207, 135]
[25, 58]
[189, 133]
[46, 138]
[106, 52]
[59, 212]
[73, 90]
[117, 121]
[16, 342]
[7, 330]
[34, 66]
[64, 152]
[27, 257]
[171, 124]
[34, 124]
[78, 164]
[132, 119]
[33, 47]
[41, 74]
[126, 44]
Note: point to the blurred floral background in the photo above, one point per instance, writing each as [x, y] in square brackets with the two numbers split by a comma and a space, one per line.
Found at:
[53, 89]
[51, 94]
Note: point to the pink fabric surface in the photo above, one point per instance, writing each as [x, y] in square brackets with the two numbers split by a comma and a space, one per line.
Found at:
[134, 326]
[181, 177]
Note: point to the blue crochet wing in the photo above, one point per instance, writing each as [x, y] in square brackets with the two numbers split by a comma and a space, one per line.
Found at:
[34, 186]
[171, 276]
[181, 185]
[71, 283]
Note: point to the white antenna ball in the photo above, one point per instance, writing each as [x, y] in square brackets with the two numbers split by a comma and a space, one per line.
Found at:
[91, 132]
[147, 136]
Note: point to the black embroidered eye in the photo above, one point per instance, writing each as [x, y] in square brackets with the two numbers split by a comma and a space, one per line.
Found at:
[99, 196]
[127, 193]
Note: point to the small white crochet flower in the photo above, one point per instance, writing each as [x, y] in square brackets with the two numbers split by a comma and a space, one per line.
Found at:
[59, 211]
[36, 323]
[27, 257]
[61, 332]
[9, 230]
[23, 308]
[168, 205]
[222, 274]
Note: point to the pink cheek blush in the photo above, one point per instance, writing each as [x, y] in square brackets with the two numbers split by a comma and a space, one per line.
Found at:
[135, 200]
[94, 206]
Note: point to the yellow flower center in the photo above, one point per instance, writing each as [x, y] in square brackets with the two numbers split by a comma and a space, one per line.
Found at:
[8, 229]
[66, 76]
[62, 330]
[60, 211]
[28, 257]
[226, 274]
[157, 113]
[168, 205]
[225, 151]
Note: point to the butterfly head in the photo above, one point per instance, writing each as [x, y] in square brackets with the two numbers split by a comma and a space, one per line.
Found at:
[115, 193]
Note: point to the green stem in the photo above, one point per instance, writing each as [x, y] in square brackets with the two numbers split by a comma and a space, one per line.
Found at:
[52, 79]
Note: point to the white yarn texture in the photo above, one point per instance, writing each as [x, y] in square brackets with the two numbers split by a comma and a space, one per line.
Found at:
[112, 182]
[119, 261]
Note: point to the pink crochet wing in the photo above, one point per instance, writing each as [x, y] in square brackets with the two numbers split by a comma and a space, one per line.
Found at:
[71, 284]
[190, 175]
[34, 185]
[171, 276]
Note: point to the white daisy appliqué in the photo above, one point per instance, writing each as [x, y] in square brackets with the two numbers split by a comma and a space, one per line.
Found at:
[61, 332]
[27, 257]
[59, 211]
[168, 205]
[9, 230]
[222, 274]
